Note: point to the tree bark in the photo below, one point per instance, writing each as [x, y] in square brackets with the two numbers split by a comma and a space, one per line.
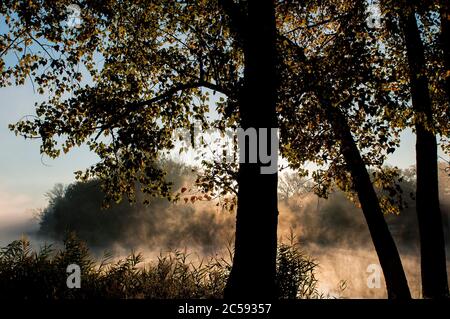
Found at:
[432, 245]
[445, 41]
[390, 262]
[254, 266]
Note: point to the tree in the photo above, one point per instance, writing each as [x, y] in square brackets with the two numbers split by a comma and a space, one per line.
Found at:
[445, 42]
[160, 62]
[426, 125]
[338, 108]
[257, 213]
[291, 184]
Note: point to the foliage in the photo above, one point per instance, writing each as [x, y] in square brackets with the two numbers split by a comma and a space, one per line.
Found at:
[162, 60]
[28, 274]
[295, 272]
[206, 227]
[78, 207]
[150, 68]
[334, 57]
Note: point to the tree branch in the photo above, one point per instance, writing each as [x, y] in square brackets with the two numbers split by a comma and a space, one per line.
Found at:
[136, 106]
[176, 89]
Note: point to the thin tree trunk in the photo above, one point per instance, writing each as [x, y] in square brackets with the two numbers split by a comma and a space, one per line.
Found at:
[254, 266]
[389, 258]
[432, 245]
[445, 45]
[445, 41]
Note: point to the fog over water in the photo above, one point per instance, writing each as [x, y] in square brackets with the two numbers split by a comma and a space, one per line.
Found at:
[332, 231]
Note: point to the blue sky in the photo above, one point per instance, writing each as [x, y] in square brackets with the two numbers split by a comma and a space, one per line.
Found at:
[24, 175]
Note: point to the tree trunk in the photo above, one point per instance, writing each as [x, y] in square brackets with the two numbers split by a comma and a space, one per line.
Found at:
[254, 266]
[432, 245]
[445, 41]
[390, 262]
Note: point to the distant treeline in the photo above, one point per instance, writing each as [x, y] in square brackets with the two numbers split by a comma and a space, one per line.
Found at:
[335, 221]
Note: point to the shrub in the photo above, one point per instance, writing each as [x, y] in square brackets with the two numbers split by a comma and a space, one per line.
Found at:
[28, 274]
[295, 272]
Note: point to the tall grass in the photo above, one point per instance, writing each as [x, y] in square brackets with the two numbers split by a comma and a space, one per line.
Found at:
[29, 274]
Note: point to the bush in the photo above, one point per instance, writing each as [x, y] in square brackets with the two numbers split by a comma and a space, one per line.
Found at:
[28, 274]
[295, 272]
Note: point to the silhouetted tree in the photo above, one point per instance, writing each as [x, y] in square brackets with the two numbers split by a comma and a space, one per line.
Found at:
[257, 213]
[342, 99]
[337, 112]
[426, 124]
[160, 61]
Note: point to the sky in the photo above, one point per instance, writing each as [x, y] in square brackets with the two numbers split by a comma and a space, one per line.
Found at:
[25, 176]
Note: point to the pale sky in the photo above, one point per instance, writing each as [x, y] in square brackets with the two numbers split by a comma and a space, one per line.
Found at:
[24, 176]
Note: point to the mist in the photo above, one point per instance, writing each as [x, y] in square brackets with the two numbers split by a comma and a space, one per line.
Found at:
[332, 231]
